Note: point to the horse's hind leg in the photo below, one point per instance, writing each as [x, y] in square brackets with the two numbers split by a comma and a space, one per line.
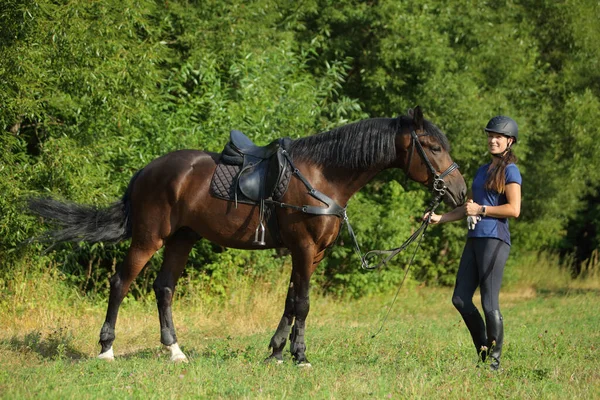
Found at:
[176, 254]
[137, 257]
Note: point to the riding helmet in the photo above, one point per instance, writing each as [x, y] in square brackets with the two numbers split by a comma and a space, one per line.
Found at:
[503, 125]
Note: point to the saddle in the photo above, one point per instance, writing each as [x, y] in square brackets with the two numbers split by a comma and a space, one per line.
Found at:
[262, 167]
[264, 173]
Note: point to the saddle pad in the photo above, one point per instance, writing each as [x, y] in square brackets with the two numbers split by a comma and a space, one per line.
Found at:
[283, 183]
[223, 184]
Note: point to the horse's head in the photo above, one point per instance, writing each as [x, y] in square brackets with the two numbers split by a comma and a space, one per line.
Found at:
[424, 153]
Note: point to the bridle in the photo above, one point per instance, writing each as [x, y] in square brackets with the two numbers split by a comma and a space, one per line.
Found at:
[438, 187]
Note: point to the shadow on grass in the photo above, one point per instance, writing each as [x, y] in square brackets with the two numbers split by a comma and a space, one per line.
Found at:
[536, 374]
[56, 346]
[217, 353]
[561, 292]
[155, 353]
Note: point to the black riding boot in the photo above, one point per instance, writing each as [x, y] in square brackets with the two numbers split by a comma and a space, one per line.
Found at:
[476, 328]
[495, 334]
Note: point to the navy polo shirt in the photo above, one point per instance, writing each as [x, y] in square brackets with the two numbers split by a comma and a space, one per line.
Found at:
[490, 227]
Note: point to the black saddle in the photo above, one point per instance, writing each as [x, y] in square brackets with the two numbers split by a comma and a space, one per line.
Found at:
[263, 169]
[262, 166]
[245, 146]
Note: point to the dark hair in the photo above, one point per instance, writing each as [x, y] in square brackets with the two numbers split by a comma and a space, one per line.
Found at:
[497, 171]
[360, 144]
[357, 145]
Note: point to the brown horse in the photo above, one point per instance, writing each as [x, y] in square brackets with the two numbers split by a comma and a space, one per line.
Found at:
[169, 203]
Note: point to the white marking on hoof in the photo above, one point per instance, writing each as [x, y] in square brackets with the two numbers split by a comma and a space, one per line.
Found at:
[177, 355]
[273, 360]
[304, 365]
[108, 355]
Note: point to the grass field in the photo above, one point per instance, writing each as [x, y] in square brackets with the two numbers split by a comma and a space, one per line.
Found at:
[48, 344]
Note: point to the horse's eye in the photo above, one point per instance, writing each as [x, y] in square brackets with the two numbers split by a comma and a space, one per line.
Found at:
[436, 149]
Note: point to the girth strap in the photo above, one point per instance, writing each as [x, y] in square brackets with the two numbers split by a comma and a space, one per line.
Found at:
[332, 208]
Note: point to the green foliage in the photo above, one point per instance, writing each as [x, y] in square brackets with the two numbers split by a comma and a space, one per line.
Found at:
[92, 91]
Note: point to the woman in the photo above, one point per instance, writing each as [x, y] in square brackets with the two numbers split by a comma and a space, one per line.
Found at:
[496, 192]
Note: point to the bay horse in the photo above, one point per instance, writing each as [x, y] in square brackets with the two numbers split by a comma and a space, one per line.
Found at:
[168, 203]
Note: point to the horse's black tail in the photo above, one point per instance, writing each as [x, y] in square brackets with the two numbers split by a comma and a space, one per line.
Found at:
[81, 223]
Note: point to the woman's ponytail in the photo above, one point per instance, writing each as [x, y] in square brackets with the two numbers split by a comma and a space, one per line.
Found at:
[497, 171]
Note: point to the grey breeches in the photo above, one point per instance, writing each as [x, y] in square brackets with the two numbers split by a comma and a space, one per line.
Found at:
[482, 264]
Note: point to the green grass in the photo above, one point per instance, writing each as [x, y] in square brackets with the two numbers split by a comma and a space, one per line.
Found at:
[552, 346]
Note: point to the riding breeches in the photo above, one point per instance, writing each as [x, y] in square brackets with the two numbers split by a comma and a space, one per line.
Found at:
[482, 264]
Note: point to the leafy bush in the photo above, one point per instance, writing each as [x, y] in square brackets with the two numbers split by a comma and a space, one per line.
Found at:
[90, 92]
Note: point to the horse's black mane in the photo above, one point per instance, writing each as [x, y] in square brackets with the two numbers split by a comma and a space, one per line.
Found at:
[358, 145]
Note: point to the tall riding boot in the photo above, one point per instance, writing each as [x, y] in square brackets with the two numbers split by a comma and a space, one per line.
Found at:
[495, 334]
[476, 328]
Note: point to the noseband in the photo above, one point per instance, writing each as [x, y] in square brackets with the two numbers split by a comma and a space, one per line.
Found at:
[439, 185]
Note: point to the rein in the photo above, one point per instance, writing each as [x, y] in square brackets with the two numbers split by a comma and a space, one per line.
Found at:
[438, 189]
[386, 255]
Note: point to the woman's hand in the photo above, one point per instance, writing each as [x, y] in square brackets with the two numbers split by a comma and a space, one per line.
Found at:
[472, 208]
[434, 219]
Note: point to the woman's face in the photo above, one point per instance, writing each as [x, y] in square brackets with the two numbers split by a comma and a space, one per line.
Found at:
[498, 143]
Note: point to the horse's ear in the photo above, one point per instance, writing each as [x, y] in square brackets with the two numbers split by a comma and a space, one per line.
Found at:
[417, 117]
[411, 113]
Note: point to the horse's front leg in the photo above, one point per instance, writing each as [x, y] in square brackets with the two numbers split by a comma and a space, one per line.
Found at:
[304, 264]
[279, 339]
[297, 343]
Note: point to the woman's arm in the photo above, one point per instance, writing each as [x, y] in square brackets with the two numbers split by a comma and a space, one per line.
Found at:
[512, 209]
[454, 215]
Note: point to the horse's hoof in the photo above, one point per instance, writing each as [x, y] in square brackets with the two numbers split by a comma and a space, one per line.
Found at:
[304, 364]
[273, 360]
[301, 361]
[179, 358]
[177, 355]
[108, 355]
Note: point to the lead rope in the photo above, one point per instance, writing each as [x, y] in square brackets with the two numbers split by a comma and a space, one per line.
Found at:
[420, 232]
[425, 224]
[392, 252]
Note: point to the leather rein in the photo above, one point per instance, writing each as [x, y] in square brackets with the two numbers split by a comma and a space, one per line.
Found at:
[438, 189]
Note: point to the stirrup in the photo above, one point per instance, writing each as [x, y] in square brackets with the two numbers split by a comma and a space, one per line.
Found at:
[260, 231]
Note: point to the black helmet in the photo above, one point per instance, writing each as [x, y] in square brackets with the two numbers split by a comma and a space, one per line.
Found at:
[503, 125]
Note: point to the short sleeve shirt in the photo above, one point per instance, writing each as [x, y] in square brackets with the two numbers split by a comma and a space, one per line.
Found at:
[491, 227]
